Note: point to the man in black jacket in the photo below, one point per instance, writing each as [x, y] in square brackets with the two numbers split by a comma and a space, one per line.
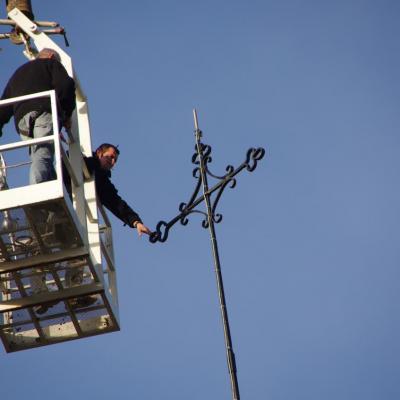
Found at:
[100, 164]
[33, 117]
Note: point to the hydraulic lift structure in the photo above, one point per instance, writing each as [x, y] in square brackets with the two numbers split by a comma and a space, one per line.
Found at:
[62, 240]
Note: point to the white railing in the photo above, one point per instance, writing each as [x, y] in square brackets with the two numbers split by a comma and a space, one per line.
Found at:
[54, 139]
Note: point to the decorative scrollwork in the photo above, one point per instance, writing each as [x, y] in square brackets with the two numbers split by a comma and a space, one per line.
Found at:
[217, 218]
[186, 206]
[183, 216]
[254, 155]
[203, 153]
[229, 169]
[205, 150]
[161, 233]
[196, 173]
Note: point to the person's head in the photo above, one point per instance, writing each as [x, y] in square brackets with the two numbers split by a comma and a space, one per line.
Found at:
[107, 154]
[49, 53]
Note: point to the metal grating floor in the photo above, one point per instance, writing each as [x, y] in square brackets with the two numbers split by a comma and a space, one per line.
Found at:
[50, 291]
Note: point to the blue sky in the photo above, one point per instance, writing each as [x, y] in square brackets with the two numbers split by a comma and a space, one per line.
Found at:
[309, 243]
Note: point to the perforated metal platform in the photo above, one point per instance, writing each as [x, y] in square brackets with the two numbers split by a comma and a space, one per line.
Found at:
[50, 290]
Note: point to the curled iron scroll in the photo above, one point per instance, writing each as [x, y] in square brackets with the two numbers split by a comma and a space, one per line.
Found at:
[161, 233]
[253, 156]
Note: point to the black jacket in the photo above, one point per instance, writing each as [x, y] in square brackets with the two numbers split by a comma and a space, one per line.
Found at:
[36, 76]
[108, 194]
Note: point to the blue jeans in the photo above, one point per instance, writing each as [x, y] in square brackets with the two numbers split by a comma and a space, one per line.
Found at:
[35, 125]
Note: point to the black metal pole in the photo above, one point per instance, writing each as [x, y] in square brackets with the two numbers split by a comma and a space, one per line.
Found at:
[217, 265]
[202, 158]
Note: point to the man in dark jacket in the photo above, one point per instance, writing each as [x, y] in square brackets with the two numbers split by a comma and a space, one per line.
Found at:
[100, 164]
[33, 117]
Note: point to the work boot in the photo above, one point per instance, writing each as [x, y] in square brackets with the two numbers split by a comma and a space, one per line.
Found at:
[83, 302]
[41, 309]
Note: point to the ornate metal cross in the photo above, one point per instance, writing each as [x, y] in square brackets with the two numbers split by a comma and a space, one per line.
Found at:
[201, 158]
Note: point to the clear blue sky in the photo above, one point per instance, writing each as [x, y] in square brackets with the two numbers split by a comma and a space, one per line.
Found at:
[309, 242]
